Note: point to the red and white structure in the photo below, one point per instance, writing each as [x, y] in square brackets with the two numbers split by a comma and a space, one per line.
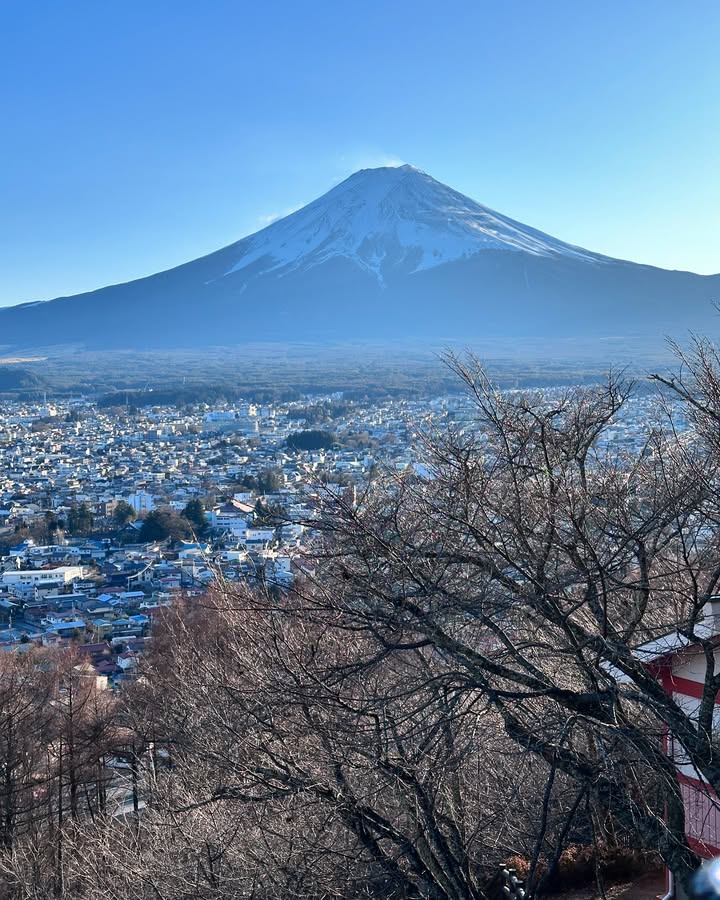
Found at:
[679, 664]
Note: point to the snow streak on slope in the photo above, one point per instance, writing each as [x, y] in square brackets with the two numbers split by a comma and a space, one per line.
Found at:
[392, 218]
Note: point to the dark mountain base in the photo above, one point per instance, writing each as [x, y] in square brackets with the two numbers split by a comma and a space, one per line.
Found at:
[492, 295]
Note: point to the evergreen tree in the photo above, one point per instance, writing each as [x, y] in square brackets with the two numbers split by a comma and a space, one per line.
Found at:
[80, 519]
[161, 524]
[194, 512]
[123, 513]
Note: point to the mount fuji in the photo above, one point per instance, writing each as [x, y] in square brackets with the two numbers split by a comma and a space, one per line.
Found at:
[388, 254]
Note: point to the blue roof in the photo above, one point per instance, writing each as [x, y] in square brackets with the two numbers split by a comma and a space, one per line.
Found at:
[23, 546]
[64, 626]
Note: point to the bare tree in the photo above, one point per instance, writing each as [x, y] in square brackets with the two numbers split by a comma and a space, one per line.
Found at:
[533, 562]
[55, 728]
[25, 727]
[308, 760]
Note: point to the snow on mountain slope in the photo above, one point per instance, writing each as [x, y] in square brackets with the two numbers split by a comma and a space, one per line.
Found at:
[398, 218]
[388, 254]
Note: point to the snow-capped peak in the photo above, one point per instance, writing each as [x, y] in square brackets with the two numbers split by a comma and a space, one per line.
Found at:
[391, 218]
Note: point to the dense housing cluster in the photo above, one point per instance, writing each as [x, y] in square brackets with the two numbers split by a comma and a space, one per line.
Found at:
[93, 534]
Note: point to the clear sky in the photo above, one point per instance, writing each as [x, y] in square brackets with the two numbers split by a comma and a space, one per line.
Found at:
[139, 134]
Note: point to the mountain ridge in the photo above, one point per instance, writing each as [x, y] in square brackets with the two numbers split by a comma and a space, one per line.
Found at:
[387, 253]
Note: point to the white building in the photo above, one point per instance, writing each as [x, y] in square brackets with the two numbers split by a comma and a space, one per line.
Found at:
[233, 516]
[41, 577]
[141, 502]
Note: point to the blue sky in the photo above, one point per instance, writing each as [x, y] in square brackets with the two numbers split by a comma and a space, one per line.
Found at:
[138, 135]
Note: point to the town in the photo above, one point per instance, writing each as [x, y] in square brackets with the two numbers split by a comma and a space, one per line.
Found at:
[107, 514]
